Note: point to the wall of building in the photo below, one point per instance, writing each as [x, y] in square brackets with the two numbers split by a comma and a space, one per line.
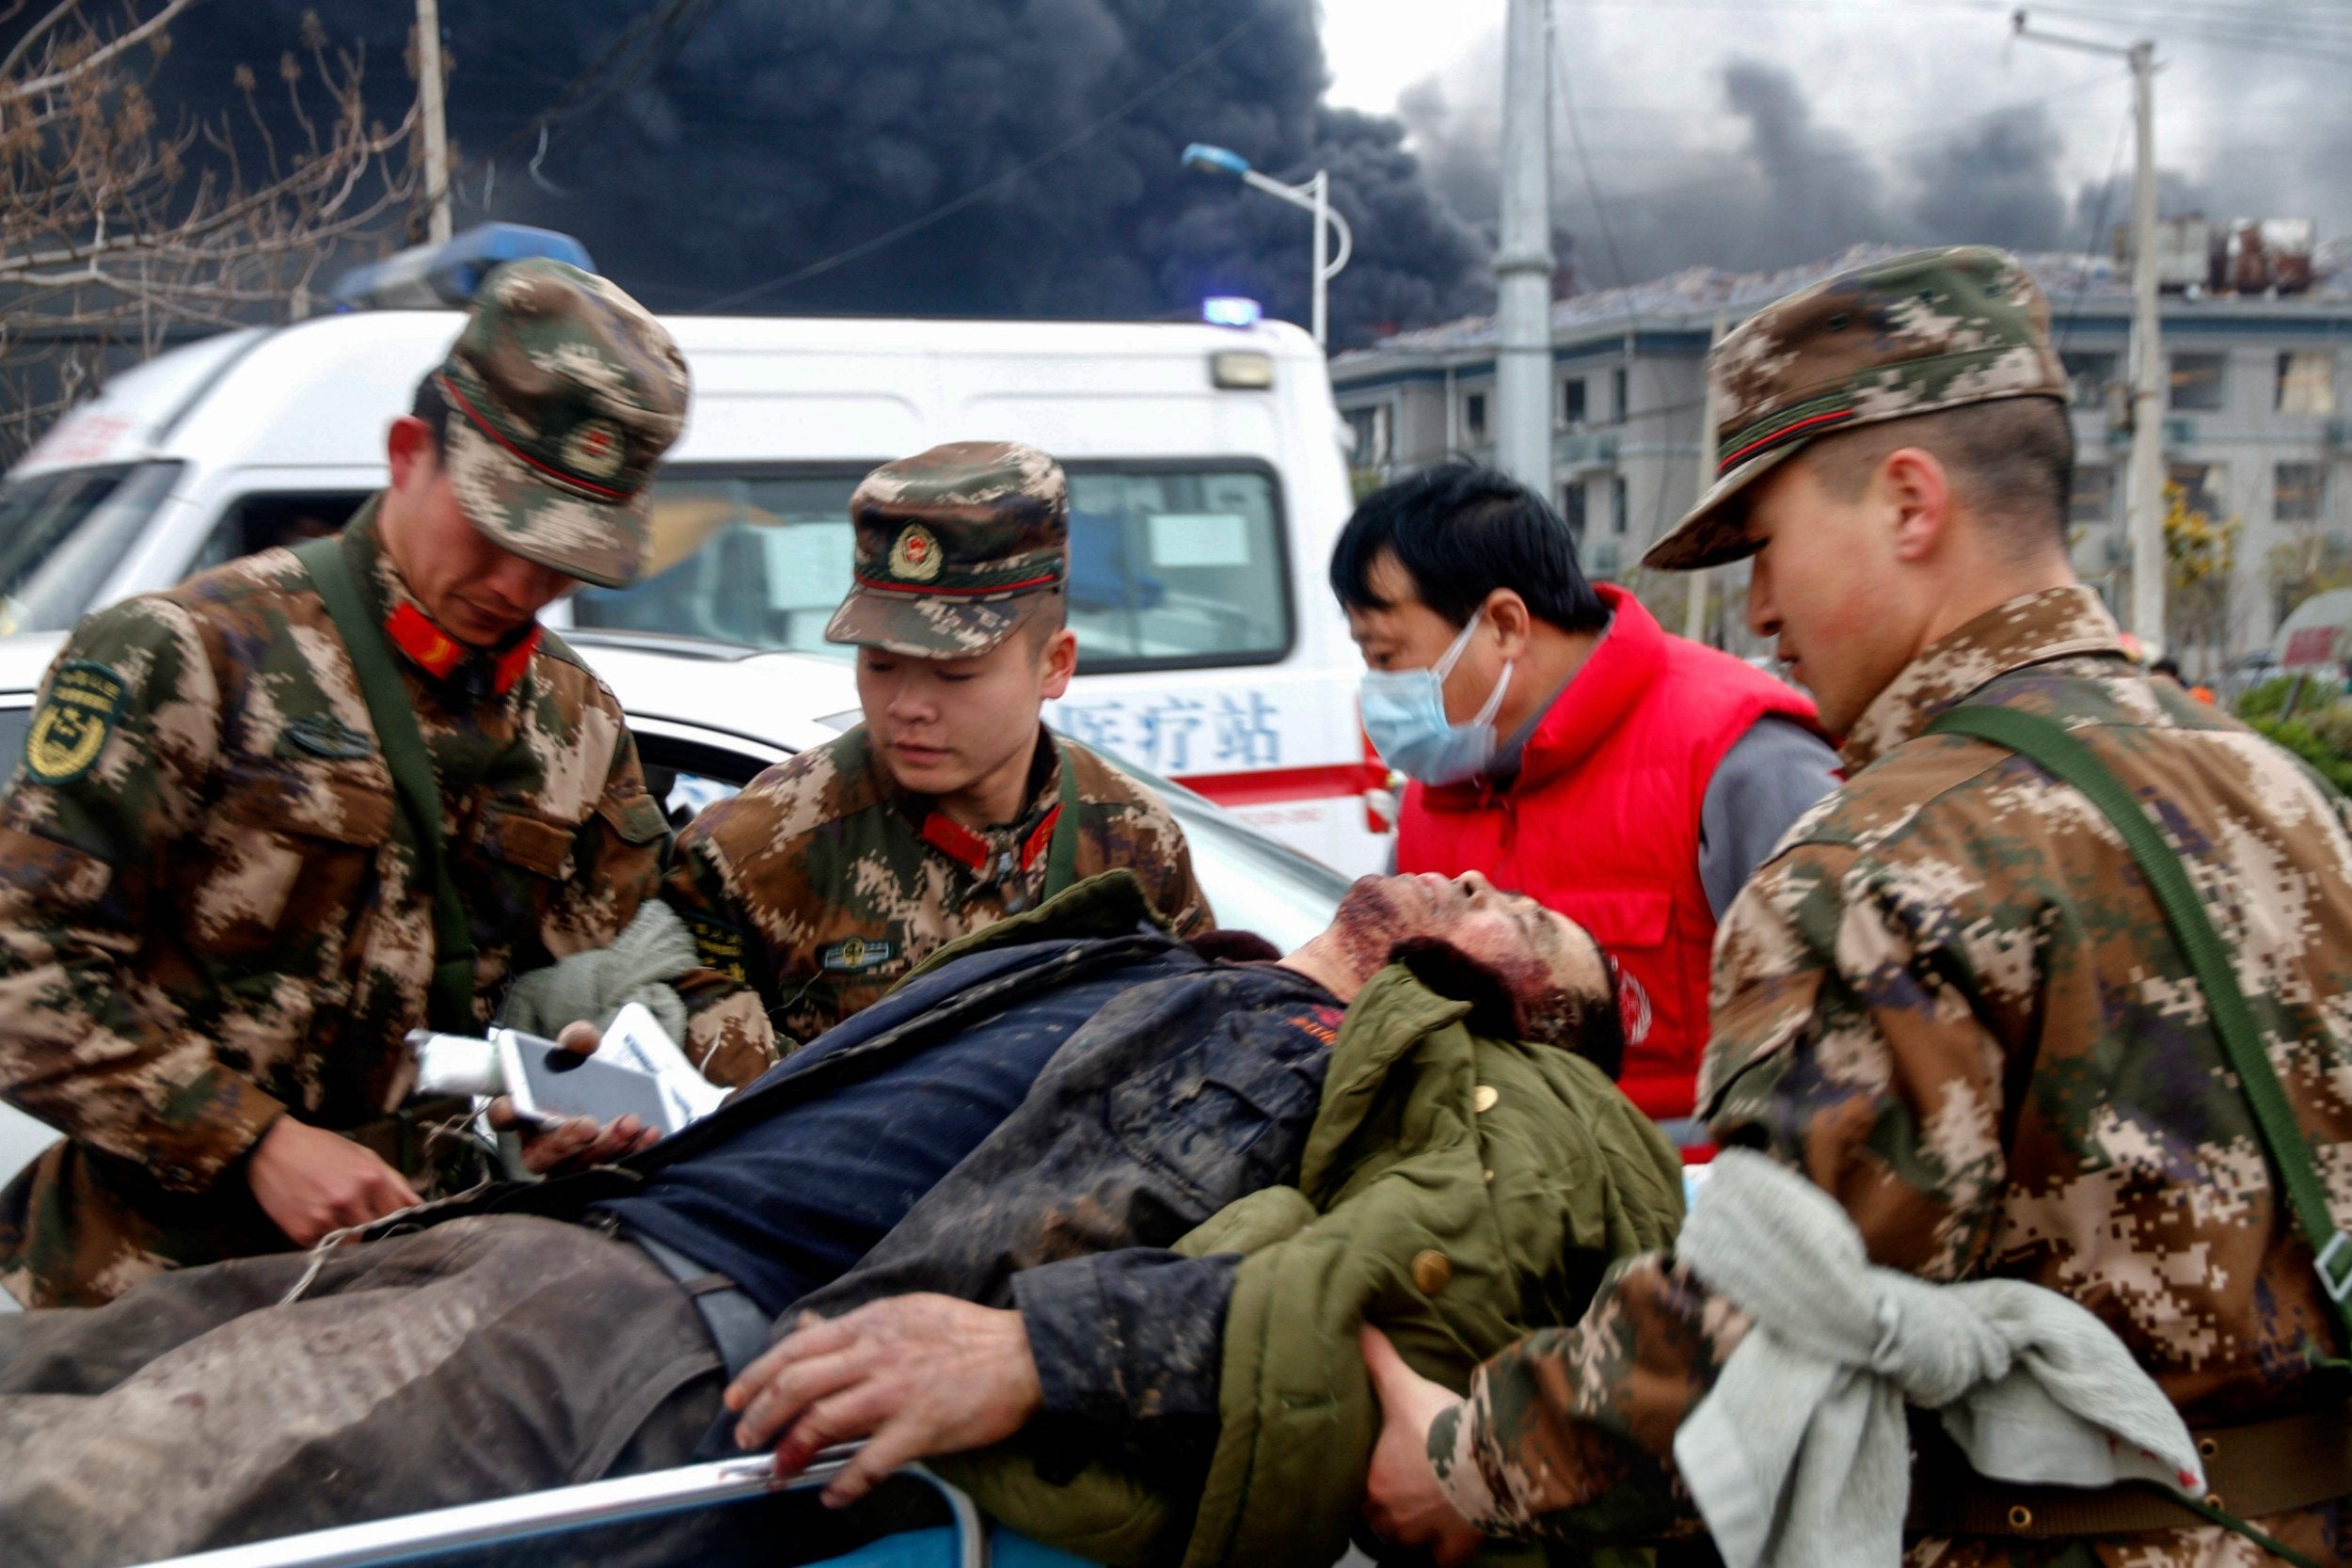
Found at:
[1649, 442]
[2270, 425]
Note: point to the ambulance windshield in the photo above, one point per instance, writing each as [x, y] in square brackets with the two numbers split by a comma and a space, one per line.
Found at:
[1172, 567]
[63, 532]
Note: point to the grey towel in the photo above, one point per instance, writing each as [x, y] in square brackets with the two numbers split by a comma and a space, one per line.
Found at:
[651, 950]
[1800, 1456]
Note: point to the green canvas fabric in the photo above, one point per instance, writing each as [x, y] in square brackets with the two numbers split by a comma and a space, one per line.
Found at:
[1527, 1202]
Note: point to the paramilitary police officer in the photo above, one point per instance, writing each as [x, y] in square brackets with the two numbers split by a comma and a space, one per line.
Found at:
[1951, 999]
[951, 807]
[273, 819]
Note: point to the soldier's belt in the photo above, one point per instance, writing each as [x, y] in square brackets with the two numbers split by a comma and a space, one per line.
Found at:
[399, 1139]
[2258, 1469]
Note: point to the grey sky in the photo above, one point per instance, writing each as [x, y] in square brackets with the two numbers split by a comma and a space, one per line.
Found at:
[1894, 119]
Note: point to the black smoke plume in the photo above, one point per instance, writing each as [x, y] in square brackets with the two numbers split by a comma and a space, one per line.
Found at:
[757, 138]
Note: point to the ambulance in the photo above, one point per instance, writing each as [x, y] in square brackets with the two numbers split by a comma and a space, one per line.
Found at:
[1206, 483]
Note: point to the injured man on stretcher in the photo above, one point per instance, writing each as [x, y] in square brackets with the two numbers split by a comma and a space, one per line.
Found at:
[1096, 1210]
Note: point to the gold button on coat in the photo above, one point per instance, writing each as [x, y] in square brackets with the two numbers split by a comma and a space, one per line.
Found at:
[1484, 1098]
[1432, 1270]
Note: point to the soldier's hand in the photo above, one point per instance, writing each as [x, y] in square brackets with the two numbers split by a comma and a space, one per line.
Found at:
[572, 1143]
[1403, 1501]
[310, 1181]
[916, 1375]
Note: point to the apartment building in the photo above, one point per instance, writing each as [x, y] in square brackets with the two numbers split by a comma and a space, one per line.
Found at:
[2258, 423]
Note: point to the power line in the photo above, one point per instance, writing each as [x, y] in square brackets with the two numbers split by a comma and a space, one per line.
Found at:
[1003, 181]
[2276, 35]
[1625, 279]
[646, 46]
[2098, 227]
[1584, 162]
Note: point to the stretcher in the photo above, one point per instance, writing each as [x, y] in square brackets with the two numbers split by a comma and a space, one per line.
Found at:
[423, 1539]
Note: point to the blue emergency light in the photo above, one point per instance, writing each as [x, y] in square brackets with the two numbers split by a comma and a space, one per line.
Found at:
[1215, 160]
[430, 276]
[1231, 311]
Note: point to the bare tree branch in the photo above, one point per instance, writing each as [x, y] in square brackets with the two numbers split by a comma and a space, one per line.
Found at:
[34, 34]
[121, 232]
[98, 58]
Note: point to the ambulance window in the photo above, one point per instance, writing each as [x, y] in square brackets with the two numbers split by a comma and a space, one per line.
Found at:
[268, 519]
[63, 534]
[1171, 568]
[761, 562]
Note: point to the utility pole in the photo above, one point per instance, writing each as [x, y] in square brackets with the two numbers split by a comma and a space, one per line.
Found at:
[2145, 500]
[2143, 497]
[1523, 261]
[431, 110]
[1695, 608]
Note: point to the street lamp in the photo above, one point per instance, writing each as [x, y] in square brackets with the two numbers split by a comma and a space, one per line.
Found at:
[1314, 196]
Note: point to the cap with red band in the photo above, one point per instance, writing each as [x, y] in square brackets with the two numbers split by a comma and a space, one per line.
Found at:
[562, 394]
[955, 546]
[1931, 330]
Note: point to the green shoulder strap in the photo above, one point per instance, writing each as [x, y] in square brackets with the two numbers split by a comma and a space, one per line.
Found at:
[1061, 856]
[2043, 741]
[450, 1004]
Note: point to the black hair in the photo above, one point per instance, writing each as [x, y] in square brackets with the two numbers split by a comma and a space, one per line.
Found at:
[1461, 532]
[1586, 1025]
[2166, 666]
[2012, 460]
[431, 404]
[1045, 614]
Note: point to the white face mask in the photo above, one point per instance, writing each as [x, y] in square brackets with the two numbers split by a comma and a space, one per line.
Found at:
[1404, 714]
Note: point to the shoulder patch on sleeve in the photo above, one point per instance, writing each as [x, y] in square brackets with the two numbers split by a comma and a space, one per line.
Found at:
[717, 945]
[70, 727]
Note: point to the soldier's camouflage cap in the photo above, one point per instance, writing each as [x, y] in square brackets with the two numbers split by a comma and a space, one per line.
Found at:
[563, 392]
[954, 547]
[1933, 330]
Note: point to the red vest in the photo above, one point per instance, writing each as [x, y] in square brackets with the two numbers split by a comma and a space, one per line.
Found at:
[1602, 824]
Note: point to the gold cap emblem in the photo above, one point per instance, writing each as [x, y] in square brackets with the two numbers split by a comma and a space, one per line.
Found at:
[914, 554]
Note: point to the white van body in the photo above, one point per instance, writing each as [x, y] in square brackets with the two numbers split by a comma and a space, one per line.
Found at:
[1204, 514]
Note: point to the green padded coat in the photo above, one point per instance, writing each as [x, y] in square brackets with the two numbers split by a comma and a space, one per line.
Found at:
[1459, 1192]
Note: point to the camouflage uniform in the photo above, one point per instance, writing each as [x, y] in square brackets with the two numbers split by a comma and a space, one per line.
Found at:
[814, 890]
[211, 911]
[1951, 1002]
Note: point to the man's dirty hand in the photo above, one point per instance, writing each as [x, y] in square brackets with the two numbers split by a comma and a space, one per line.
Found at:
[913, 1376]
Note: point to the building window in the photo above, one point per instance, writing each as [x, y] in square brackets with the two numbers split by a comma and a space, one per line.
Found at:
[1474, 418]
[1620, 514]
[1572, 507]
[1572, 403]
[2088, 378]
[1373, 441]
[2092, 498]
[2298, 492]
[2197, 381]
[1621, 394]
[2201, 485]
[2306, 382]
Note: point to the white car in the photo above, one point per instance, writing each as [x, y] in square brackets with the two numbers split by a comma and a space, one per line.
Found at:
[709, 716]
